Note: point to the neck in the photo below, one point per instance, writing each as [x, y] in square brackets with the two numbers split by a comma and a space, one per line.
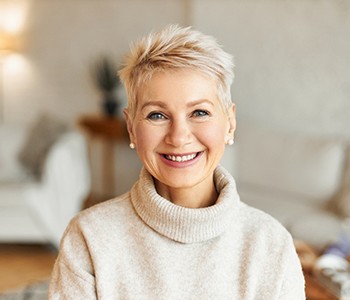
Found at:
[199, 196]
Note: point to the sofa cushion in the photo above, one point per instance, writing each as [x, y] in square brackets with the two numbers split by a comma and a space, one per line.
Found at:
[43, 133]
[20, 226]
[340, 203]
[310, 167]
[312, 224]
[319, 229]
[284, 207]
[18, 223]
[11, 170]
[14, 194]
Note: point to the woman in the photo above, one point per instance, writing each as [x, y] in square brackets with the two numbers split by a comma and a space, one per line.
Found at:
[181, 232]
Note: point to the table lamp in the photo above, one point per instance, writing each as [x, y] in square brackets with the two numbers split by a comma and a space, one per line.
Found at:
[7, 46]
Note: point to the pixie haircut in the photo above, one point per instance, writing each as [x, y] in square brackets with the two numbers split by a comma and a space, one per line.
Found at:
[175, 48]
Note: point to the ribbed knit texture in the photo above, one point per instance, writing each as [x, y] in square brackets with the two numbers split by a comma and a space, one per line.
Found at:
[141, 246]
[185, 225]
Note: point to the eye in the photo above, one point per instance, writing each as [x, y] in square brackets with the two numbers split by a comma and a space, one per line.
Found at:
[200, 113]
[155, 116]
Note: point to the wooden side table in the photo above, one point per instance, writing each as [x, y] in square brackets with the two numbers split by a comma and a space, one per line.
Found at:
[308, 256]
[109, 131]
[314, 290]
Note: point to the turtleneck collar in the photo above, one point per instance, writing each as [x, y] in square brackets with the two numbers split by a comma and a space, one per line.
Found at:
[181, 224]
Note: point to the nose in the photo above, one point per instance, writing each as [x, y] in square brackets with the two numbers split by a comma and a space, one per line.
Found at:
[179, 134]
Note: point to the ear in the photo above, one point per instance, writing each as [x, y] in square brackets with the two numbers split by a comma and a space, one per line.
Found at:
[129, 125]
[231, 111]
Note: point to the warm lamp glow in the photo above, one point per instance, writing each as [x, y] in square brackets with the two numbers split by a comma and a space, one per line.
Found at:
[7, 43]
[13, 15]
[12, 19]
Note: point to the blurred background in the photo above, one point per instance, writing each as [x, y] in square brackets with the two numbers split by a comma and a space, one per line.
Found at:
[291, 56]
[292, 91]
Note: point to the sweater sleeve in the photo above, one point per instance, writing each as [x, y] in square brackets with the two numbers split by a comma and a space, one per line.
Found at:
[73, 276]
[293, 284]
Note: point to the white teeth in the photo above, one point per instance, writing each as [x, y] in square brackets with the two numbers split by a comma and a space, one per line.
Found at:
[181, 158]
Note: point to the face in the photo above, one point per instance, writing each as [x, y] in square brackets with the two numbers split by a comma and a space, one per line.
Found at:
[180, 128]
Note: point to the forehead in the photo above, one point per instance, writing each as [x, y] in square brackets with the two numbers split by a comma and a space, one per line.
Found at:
[183, 84]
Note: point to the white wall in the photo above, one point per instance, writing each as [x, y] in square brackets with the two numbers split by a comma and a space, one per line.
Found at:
[292, 60]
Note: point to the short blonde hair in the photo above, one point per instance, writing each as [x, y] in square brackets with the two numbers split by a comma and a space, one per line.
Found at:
[174, 48]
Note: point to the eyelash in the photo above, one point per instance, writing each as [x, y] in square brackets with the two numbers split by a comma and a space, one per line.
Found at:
[198, 113]
[156, 116]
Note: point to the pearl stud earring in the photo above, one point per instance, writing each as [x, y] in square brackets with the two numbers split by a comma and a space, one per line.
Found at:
[230, 141]
[132, 145]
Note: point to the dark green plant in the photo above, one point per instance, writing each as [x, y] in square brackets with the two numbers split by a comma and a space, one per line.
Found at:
[104, 72]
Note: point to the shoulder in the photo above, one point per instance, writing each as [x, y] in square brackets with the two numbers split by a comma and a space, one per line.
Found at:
[269, 246]
[109, 216]
[267, 240]
[263, 226]
[109, 208]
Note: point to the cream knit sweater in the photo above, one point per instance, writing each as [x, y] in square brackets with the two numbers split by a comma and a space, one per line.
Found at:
[141, 246]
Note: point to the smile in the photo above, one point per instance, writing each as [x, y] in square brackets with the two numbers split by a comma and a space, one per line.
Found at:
[181, 158]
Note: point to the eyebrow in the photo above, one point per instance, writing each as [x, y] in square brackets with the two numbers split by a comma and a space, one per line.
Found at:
[190, 104]
[153, 103]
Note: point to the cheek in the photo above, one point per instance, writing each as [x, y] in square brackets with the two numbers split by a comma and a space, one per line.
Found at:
[213, 136]
[146, 137]
[142, 136]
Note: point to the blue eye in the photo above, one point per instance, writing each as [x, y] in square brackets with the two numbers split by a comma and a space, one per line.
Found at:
[156, 116]
[200, 113]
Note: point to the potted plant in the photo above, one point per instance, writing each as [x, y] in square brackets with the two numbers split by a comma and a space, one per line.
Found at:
[104, 73]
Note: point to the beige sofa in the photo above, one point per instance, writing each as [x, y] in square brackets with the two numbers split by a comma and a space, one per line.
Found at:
[303, 181]
[38, 210]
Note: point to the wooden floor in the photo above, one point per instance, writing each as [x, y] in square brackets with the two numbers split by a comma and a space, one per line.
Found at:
[21, 265]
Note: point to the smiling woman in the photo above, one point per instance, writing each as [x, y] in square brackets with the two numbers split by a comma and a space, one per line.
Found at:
[180, 136]
[182, 231]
